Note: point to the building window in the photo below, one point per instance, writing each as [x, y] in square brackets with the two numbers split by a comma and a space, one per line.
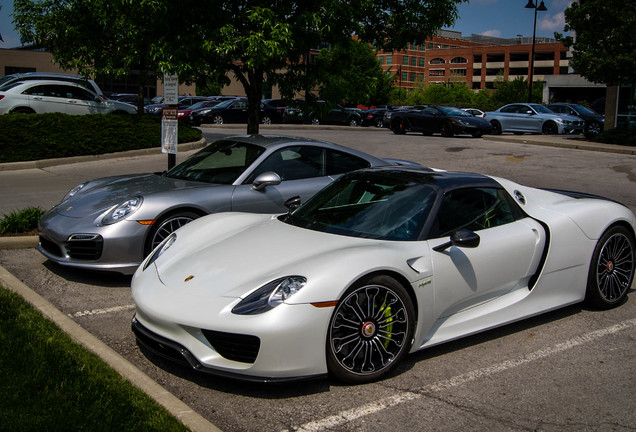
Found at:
[519, 56]
[381, 59]
[422, 47]
[436, 72]
[430, 45]
[477, 58]
[389, 59]
[405, 60]
[405, 76]
[496, 57]
[413, 61]
[437, 60]
[413, 76]
[458, 72]
[476, 72]
[421, 77]
[422, 61]
[459, 60]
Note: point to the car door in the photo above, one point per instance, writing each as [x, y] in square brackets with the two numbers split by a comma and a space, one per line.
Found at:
[508, 117]
[303, 170]
[236, 112]
[81, 101]
[508, 255]
[45, 98]
[528, 120]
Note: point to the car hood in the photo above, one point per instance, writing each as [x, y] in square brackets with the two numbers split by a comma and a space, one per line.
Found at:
[473, 121]
[101, 194]
[231, 254]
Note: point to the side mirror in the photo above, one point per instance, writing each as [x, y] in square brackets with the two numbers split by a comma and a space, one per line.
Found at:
[268, 178]
[461, 238]
[293, 203]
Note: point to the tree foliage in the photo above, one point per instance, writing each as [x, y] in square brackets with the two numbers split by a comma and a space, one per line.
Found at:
[604, 49]
[259, 41]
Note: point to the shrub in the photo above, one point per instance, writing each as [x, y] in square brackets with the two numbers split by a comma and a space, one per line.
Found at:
[623, 136]
[28, 137]
[21, 221]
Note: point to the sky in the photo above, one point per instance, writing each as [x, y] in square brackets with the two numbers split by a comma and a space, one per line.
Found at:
[500, 18]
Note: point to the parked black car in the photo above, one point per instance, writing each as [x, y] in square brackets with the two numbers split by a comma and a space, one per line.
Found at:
[338, 116]
[373, 117]
[229, 111]
[438, 119]
[594, 122]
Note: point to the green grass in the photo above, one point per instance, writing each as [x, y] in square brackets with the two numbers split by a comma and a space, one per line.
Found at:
[27, 137]
[21, 221]
[50, 383]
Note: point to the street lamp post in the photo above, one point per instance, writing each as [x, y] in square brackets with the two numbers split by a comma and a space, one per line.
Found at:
[536, 8]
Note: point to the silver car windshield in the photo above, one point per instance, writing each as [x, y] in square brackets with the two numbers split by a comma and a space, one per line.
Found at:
[369, 205]
[221, 162]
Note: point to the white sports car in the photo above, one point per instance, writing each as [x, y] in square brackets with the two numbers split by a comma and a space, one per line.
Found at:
[382, 262]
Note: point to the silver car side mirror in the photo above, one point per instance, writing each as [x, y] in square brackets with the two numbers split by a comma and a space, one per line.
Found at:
[268, 178]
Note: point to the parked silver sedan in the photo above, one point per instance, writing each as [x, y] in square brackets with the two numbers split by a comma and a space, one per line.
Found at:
[112, 223]
[520, 118]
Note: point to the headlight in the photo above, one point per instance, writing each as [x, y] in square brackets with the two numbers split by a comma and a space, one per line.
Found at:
[122, 211]
[73, 191]
[270, 295]
[203, 112]
[159, 250]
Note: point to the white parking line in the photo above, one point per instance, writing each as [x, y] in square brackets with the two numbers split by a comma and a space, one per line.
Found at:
[101, 311]
[399, 398]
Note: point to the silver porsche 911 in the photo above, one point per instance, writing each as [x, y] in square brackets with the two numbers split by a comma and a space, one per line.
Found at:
[112, 223]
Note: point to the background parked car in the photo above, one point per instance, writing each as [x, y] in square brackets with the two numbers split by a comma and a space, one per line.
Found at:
[373, 117]
[32, 76]
[184, 102]
[38, 96]
[438, 119]
[476, 112]
[520, 118]
[229, 111]
[594, 122]
[338, 116]
[129, 98]
[184, 113]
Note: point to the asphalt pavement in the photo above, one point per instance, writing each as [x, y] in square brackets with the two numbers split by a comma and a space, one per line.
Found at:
[173, 404]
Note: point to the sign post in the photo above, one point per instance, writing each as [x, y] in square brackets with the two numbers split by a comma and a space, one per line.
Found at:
[169, 123]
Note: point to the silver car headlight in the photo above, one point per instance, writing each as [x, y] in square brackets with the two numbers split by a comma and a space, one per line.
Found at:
[270, 295]
[73, 191]
[122, 211]
[159, 250]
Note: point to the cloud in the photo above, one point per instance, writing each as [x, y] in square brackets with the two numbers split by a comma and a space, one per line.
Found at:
[554, 22]
[495, 33]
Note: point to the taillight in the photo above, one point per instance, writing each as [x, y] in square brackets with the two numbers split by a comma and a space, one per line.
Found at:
[1, 97]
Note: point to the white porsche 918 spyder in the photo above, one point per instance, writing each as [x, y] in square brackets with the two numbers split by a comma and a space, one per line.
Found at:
[383, 262]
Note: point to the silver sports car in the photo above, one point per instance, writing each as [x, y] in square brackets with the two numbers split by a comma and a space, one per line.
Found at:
[380, 263]
[112, 223]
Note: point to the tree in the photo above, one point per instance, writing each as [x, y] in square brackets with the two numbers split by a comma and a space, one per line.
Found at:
[258, 41]
[604, 48]
[351, 73]
[96, 36]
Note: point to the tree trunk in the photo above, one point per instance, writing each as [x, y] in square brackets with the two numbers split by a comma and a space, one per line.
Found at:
[254, 91]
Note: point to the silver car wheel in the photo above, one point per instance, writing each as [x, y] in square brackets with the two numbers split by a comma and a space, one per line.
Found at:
[266, 120]
[612, 268]
[370, 330]
[168, 226]
[217, 119]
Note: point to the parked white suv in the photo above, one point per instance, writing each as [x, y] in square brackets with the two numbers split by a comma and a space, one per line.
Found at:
[42, 96]
[31, 76]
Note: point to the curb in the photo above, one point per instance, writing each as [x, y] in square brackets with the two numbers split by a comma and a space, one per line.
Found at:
[20, 242]
[186, 415]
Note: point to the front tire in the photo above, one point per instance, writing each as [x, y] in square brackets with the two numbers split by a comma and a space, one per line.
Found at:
[166, 226]
[611, 270]
[398, 127]
[370, 330]
[549, 128]
[594, 128]
[217, 119]
[379, 123]
[353, 122]
[447, 130]
[266, 120]
[477, 134]
[496, 127]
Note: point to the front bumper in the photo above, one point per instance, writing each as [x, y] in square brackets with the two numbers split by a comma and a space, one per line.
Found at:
[76, 243]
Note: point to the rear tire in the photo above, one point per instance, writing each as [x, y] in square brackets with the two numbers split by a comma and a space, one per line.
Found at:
[612, 269]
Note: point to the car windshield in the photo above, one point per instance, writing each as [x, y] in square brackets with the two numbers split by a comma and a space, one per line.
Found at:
[454, 111]
[198, 105]
[583, 110]
[541, 109]
[221, 162]
[384, 205]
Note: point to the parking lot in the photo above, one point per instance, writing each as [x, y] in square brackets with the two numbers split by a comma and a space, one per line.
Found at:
[569, 370]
